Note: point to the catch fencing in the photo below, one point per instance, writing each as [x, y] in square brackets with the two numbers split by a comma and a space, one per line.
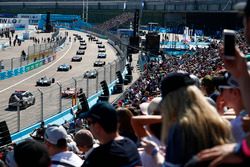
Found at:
[49, 100]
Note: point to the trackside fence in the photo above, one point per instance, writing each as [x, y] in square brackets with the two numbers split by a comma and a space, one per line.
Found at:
[38, 55]
[49, 101]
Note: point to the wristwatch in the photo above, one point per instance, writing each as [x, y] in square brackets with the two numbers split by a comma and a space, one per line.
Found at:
[154, 152]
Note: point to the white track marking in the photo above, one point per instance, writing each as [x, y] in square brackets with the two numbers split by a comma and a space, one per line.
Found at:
[38, 71]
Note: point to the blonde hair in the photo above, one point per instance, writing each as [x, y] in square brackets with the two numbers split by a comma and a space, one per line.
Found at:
[190, 110]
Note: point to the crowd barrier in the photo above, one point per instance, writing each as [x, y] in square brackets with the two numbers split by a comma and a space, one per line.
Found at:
[35, 53]
[20, 70]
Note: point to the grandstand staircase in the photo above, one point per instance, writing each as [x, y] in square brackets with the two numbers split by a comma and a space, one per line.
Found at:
[116, 21]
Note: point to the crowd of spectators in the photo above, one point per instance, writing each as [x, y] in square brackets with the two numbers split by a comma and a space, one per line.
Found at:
[137, 117]
[116, 21]
[9, 34]
[175, 114]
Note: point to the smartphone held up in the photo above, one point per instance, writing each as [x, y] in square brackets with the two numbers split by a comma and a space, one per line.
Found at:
[229, 44]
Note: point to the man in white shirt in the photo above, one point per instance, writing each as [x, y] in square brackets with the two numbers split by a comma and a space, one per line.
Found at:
[55, 138]
[231, 94]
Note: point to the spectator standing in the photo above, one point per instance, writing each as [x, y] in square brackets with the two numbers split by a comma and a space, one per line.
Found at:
[10, 41]
[231, 95]
[56, 140]
[12, 32]
[114, 150]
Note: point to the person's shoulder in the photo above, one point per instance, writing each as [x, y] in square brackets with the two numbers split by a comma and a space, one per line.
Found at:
[64, 154]
[95, 158]
[67, 156]
[123, 140]
[118, 143]
[124, 145]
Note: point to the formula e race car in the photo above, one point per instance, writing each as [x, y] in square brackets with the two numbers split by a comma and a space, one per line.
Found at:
[99, 63]
[64, 67]
[101, 55]
[76, 58]
[90, 74]
[80, 52]
[45, 81]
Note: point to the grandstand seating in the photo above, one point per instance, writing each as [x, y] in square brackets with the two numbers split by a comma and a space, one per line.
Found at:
[116, 21]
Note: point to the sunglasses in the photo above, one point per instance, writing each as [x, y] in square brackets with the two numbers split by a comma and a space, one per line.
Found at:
[89, 122]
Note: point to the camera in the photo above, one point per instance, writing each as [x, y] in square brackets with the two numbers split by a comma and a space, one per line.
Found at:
[229, 43]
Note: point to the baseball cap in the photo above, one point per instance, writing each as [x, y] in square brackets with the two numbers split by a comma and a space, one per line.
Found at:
[153, 106]
[148, 108]
[243, 8]
[196, 79]
[105, 114]
[144, 108]
[174, 81]
[227, 82]
[54, 133]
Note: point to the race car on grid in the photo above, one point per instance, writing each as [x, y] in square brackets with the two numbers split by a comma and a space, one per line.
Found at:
[80, 52]
[90, 74]
[21, 98]
[101, 50]
[101, 55]
[82, 47]
[45, 81]
[101, 46]
[98, 42]
[64, 67]
[69, 92]
[99, 63]
[76, 58]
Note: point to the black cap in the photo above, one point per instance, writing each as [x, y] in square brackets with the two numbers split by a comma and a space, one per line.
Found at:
[105, 114]
[227, 81]
[174, 81]
[243, 8]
